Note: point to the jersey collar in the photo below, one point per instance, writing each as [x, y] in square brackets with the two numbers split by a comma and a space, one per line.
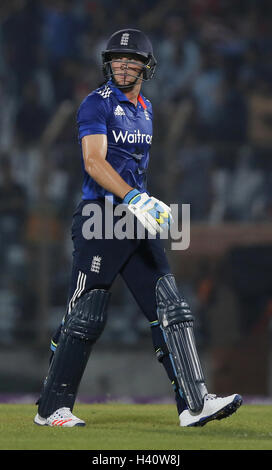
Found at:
[122, 97]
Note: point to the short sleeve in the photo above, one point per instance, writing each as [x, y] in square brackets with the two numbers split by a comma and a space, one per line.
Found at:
[91, 116]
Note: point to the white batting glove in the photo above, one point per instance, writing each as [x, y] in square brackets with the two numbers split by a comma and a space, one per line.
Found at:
[154, 215]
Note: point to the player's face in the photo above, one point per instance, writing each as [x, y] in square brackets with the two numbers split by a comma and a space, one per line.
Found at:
[127, 69]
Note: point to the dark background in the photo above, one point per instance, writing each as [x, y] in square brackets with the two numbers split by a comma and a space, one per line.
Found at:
[212, 102]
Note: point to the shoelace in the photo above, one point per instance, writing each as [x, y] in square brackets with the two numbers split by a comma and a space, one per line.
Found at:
[210, 396]
[64, 413]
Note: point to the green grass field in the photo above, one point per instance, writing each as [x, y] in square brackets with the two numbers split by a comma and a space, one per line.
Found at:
[115, 426]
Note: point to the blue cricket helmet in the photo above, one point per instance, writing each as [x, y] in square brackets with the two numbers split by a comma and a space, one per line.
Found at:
[130, 41]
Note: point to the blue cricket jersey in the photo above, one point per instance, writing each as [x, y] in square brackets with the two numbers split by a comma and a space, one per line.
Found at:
[129, 133]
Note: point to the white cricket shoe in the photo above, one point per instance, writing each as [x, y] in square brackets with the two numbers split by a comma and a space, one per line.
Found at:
[214, 408]
[62, 417]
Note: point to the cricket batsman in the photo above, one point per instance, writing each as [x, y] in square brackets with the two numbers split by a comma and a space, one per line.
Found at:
[115, 135]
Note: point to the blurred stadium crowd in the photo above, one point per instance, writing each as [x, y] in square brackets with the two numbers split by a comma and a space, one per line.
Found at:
[212, 100]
